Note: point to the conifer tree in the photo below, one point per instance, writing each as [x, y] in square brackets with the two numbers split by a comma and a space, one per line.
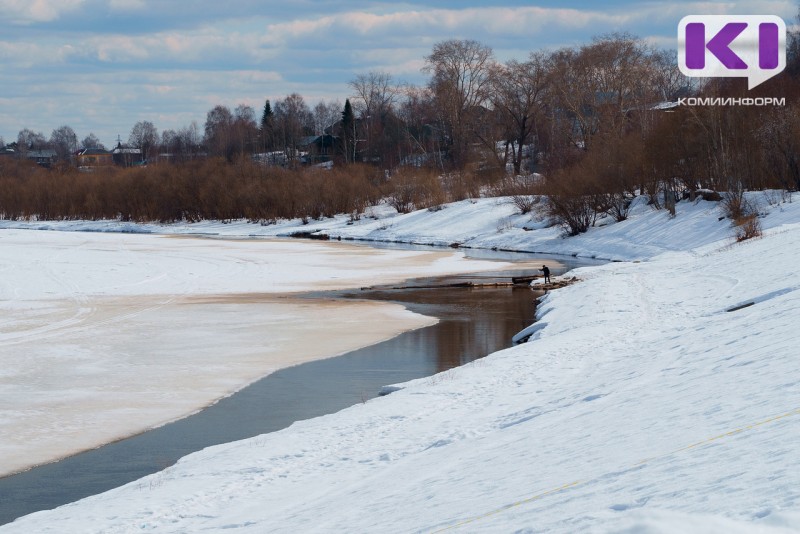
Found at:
[266, 126]
[348, 132]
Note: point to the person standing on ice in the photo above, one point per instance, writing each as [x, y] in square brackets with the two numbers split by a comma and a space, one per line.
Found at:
[546, 272]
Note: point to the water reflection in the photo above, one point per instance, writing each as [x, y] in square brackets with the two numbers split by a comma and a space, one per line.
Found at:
[473, 322]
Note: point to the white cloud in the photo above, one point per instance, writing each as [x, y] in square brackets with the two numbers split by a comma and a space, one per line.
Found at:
[33, 11]
[492, 20]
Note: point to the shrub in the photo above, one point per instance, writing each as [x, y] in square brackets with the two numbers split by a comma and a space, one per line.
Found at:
[573, 200]
[735, 205]
[744, 215]
[415, 189]
[524, 203]
[748, 227]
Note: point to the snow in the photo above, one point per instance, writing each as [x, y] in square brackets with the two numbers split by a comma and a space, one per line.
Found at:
[640, 404]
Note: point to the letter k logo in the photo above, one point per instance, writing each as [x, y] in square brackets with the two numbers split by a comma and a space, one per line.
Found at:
[719, 45]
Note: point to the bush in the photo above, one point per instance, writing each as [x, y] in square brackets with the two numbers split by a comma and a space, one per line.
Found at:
[744, 215]
[521, 189]
[735, 206]
[524, 203]
[192, 191]
[414, 188]
[574, 200]
[748, 227]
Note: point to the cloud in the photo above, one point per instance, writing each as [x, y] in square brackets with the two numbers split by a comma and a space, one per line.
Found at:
[490, 20]
[411, 25]
[33, 11]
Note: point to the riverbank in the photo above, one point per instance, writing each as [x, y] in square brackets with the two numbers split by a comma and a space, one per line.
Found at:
[641, 404]
[487, 223]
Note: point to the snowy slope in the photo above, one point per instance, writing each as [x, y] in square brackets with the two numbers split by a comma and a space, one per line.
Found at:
[486, 223]
[476, 223]
[642, 406]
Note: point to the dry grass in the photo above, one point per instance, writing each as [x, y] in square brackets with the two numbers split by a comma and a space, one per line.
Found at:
[747, 227]
[212, 189]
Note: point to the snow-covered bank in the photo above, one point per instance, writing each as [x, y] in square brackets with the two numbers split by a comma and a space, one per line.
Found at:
[105, 335]
[642, 405]
[486, 223]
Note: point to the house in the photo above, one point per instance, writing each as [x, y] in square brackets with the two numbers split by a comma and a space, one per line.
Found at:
[94, 157]
[319, 148]
[125, 156]
[7, 150]
[44, 157]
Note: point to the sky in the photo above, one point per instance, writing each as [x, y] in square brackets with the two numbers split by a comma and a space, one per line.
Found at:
[99, 66]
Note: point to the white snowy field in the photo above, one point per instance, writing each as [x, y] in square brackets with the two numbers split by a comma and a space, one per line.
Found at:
[106, 335]
[656, 396]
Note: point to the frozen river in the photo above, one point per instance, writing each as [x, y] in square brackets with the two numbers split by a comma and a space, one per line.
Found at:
[104, 336]
[472, 323]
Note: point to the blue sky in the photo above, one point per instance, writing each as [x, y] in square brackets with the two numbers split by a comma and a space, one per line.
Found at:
[102, 65]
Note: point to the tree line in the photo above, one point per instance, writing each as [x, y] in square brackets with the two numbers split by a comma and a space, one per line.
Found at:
[597, 121]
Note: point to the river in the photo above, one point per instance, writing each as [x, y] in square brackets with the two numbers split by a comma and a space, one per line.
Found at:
[472, 323]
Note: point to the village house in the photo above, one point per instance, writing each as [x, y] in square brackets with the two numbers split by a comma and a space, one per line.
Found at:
[44, 157]
[319, 148]
[125, 156]
[94, 157]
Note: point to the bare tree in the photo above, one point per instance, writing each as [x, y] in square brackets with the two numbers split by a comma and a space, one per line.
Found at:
[669, 83]
[187, 142]
[520, 95]
[168, 140]
[181, 145]
[417, 112]
[778, 133]
[461, 74]
[218, 132]
[30, 140]
[144, 136]
[293, 121]
[244, 113]
[91, 141]
[245, 129]
[326, 114]
[374, 100]
[375, 92]
[64, 142]
[793, 49]
[603, 88]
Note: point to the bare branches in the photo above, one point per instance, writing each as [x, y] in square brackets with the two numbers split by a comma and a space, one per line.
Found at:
[461, 82]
